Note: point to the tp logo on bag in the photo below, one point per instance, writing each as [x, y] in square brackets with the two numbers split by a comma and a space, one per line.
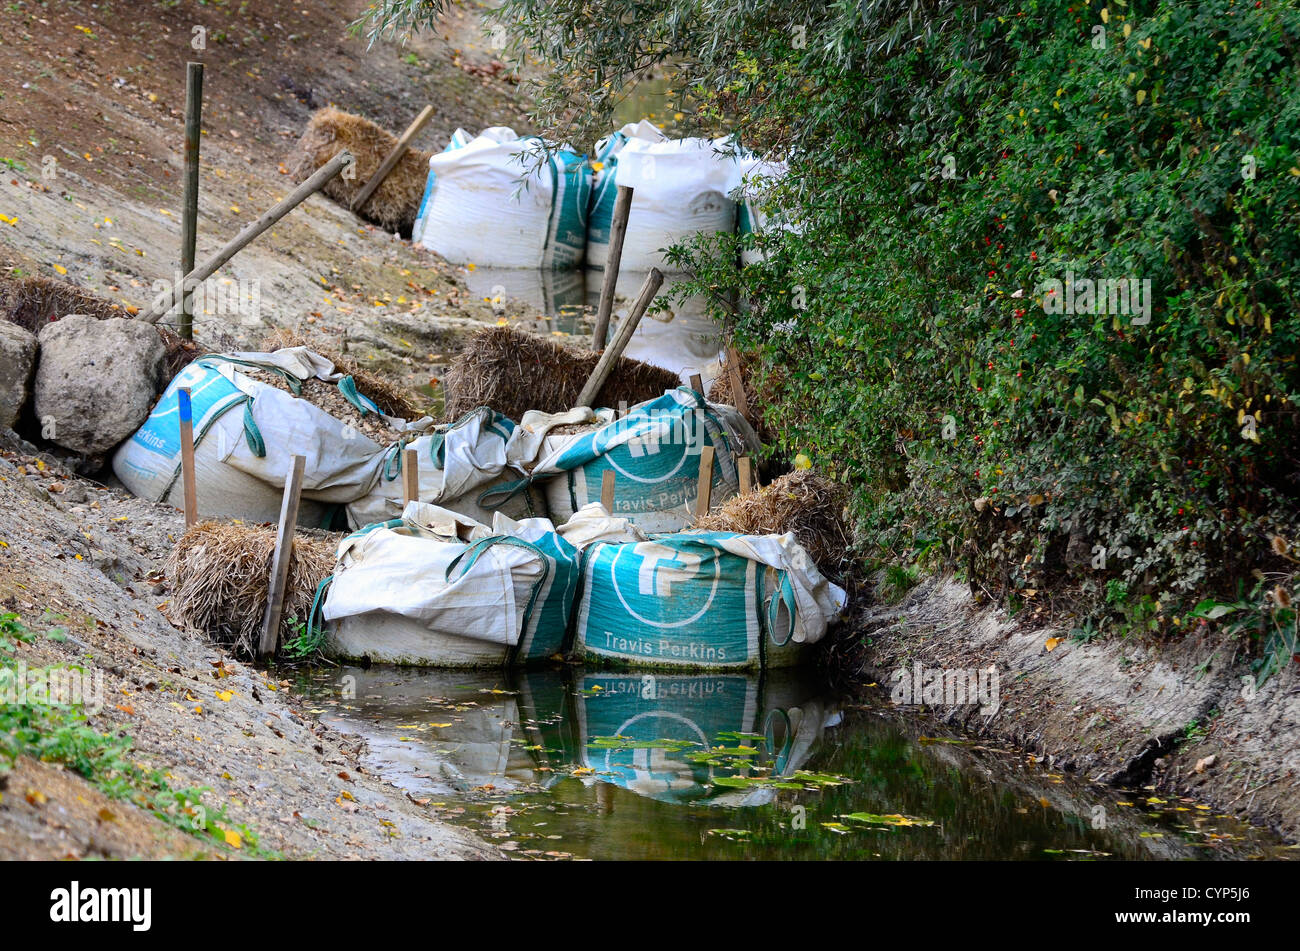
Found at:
[660, 571]
[664, 575]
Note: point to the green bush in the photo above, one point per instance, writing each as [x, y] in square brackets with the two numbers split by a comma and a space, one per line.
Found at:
[948, 162]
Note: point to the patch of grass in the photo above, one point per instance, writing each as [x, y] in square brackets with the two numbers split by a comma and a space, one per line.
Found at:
[53, 732]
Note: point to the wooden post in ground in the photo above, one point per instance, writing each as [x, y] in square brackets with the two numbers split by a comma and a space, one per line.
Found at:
[190, 202]
[279, 580]
[704, 492]
[169, 298]
[393, 157]
[617, 232]
[410, 477]
[622, 409]
[607, 491]
[746, 474]
[185, 414]
[737, 387]
[605, 365]
[697, 384]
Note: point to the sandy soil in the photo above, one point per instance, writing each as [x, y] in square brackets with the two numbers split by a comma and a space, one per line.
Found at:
[93, 98]
[84, 562]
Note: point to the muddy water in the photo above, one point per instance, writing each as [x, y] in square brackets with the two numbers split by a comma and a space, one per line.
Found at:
[558, 764]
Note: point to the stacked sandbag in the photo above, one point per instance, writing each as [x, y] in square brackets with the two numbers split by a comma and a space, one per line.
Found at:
[698, 600]
[434, 588]
[682, 188]
[477, 210]
[654, 452]
[246, 434]
[456, 464]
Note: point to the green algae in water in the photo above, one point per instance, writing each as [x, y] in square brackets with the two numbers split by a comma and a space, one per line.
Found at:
[800, 779]
[627, 743]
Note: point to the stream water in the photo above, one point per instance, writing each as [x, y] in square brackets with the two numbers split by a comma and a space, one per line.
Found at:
[571, 763]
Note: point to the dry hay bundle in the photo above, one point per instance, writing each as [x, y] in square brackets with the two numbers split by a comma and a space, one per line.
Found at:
[513, 372]
[801, 502]
[33, 302]
[393, 400]
[220, 577]
[396, 201]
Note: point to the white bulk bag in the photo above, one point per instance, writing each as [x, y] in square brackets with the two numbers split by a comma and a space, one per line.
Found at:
[502, 201]
[681, 189]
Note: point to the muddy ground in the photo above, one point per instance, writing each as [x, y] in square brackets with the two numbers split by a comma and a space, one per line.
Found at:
[1179, 718]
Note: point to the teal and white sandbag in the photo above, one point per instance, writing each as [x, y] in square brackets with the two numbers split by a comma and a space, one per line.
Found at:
[459, 139]
[604, 189]
[703, 600]
[457, 463]
[436, 589]
[149, 463]
[654, 452]
[340, 459]
[499, 200]
[682, 188]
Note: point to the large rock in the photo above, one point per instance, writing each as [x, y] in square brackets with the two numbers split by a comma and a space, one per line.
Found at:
[96, 380]
[17, 357]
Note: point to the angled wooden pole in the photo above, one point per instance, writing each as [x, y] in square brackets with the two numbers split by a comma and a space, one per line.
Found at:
[393, 157]
[617, 232]
[697, 384]
[410, 477]
[279, 580]
[738, 397]
[190, 201]
[185, 415]
[704, 491]
[607, 491]
[169, 298]
[605, 365]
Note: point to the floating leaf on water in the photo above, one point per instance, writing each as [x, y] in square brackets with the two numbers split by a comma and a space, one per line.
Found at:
[627, 743]
[891, 820]
[732, 835]
[801, 779]
[736, 736]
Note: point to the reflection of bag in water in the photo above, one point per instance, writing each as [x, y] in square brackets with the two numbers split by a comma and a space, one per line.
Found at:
[437, 589]
[653, 711]
[704, 600]
[476, 209]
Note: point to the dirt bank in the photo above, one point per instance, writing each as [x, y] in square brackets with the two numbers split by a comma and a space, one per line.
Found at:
[81, 567]
[1176, 718]
[91, 136]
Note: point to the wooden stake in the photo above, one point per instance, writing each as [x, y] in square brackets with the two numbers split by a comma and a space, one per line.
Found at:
[279, 580]
[738, 397]
[697, 384]
[745, 471]
[410, 476]
[186, 415]
[169, 298]
[607, 491]
[190, 201]
[617, 232]
[395, 156]
[605, 365]
[622, 408]
[704, 493]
